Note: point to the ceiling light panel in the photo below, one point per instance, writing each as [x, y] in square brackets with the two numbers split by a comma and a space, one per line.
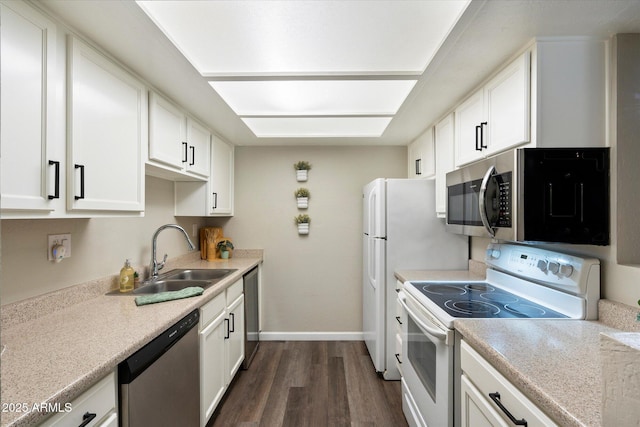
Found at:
[314, 97]
[320, 127]
[223, 38]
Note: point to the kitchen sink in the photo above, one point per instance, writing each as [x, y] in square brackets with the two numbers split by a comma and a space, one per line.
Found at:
[180, 278]
[198, 274]
[170, 285]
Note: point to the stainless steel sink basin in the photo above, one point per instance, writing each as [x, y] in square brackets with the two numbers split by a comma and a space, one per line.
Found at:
[198, 274]
[180, 278]
[170, 285]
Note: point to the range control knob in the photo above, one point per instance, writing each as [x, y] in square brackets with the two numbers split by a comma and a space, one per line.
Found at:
[566, 270]
[542, 265]
[554, 267]
[495, 253]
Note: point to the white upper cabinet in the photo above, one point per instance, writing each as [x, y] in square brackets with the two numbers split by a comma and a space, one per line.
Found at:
[444, 145]
[31, 166]
[221, 182]
[107, 130]
[495, 117]
[214, 197]
[178, 145]
[421, 156]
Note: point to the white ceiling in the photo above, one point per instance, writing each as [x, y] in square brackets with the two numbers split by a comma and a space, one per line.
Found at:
[323, 55]
[485, 36]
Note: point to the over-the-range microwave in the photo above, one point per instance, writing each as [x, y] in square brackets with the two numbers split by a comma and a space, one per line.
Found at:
[533, 195]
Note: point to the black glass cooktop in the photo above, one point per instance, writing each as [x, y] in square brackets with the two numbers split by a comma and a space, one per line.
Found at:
[481, 300]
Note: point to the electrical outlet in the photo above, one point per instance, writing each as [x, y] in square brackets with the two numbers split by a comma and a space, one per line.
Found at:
[59, 239]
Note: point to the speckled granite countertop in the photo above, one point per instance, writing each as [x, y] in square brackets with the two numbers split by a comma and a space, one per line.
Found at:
[57, 356]
[556, 363]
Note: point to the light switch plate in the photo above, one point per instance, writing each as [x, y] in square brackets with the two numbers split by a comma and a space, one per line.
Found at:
[59, 239]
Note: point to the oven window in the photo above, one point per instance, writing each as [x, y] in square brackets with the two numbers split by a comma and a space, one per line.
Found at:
[422, 355]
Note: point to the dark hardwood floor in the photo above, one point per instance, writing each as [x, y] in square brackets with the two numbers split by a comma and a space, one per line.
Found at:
[311, 383]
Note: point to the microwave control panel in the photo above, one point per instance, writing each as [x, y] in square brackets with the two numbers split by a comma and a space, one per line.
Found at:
[503, 199]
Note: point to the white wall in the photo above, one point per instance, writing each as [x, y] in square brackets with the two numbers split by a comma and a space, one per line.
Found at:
[99, 246]
[311, 283]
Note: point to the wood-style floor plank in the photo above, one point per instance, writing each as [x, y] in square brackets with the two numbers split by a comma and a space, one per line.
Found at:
[314, 384]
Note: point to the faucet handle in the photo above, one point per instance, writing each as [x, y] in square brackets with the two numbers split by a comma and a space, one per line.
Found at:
[164, 260]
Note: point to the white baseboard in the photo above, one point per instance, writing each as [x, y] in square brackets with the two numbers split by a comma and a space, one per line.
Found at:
[311, 336]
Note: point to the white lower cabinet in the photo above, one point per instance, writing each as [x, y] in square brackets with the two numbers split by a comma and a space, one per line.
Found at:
[489, 399]
[221, 346]
[95, 407]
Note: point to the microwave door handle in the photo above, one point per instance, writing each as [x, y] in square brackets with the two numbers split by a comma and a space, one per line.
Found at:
[482, 200]
[436, 333]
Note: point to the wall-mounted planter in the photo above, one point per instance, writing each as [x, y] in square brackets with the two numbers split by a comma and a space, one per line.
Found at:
[303, 202]
[302, 170]
[302, 197]
[303, 221]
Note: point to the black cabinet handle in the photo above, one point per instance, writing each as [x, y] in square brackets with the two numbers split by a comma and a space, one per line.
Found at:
[233, 321]
[193, 155]
[81, 167]
[227, 333]
[418, 166]
[398, 358]
[482, 125]
[186, 149]
[87, 418]
[215, 201]
[56, 191]
[478, 129]
[496, 399]
[398, 319]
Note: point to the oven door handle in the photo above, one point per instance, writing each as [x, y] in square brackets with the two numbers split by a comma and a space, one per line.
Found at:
[436, 333]
[483, 202]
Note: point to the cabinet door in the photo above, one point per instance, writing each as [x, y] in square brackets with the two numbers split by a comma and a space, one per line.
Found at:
[468, 129]
[444, 146]
[167, 133]
[475, 409]
[107, 113]
[235, 342]
[28, 50]
[421, 156]
[212, 366]
[221, 181]
[199, 146]
[508, 100]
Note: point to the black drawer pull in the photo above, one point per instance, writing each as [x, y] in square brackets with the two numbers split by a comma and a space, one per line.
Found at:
[215, 201]
[56, 191]
[227, 332]
[496, 399]
[193, 155]
[398, 319]
[81, 167]
[87, 418]
[233, 322]
[398, 358]
[418, 166]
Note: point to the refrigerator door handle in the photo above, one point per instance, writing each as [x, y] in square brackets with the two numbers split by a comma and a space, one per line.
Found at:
[371, 263]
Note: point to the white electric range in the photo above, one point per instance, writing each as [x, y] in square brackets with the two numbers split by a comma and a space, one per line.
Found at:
[522, 282]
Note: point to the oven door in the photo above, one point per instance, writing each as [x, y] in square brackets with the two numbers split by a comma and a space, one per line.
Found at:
[427, 367]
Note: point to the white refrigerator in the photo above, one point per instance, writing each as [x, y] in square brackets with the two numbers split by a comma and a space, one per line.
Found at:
[401, 232]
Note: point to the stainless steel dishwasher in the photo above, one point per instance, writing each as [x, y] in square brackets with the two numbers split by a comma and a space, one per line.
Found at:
[251, 315]
[159, 384]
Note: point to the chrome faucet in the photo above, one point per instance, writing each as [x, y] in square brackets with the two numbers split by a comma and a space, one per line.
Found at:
[154, 266]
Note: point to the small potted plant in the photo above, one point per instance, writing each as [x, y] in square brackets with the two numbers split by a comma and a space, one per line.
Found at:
[302, 170]
[302, 196]
[303, 221]
[224, 246]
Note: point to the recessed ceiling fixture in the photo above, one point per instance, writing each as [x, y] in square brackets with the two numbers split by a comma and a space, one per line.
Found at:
[328, 68]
